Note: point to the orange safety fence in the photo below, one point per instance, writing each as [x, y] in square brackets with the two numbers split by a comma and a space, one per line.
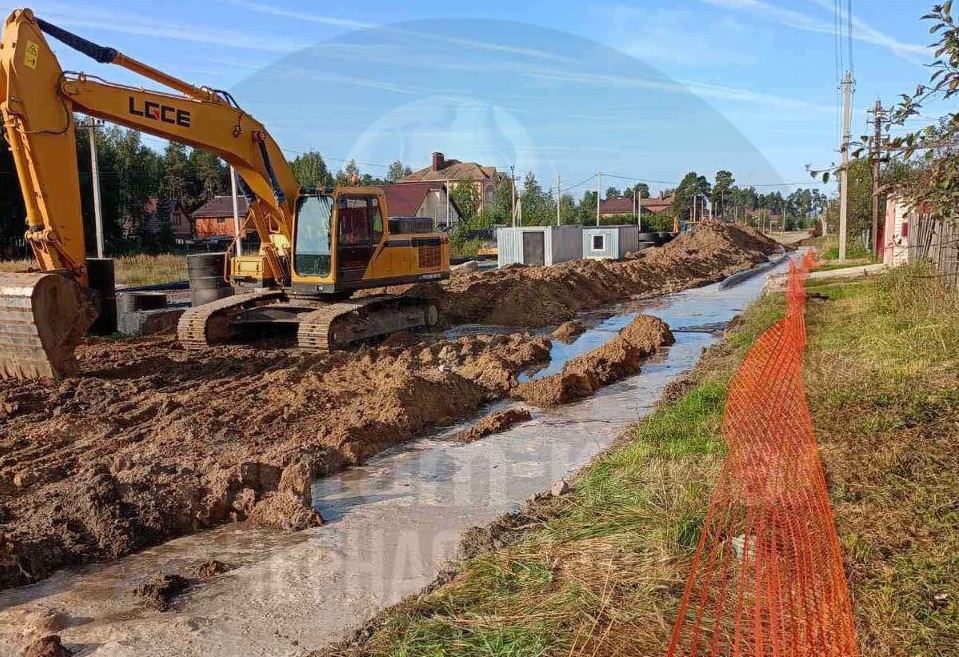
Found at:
[767, 578]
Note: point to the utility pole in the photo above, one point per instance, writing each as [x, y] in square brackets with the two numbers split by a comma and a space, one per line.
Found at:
[95, 170]
[559, 196]
[512, 176]
[599, 183]
[639, 207]
[876, 171]
[236, 213]
[844, 173]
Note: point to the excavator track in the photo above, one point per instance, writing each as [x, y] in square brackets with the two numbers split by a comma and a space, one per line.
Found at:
[339, 325]
[42, 318]
[211, 323]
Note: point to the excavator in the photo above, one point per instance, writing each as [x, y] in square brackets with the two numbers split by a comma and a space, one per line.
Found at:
[317, 247]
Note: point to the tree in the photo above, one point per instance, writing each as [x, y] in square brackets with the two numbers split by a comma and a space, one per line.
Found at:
[611, 193]
[466, 198]
[643, 190]
[538, 206]
[587, 209]
[567, 209]
[724, 183]
[397, 171]
[209, 176]
[691, 186]
[310, 170]
[349, 174]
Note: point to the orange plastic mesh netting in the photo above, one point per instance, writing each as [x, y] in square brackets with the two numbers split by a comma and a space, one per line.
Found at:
[767, 578]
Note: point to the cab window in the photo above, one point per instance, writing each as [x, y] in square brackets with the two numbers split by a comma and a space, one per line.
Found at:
[312, 240]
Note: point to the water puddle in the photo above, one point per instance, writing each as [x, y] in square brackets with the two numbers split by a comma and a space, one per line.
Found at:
[392, 523]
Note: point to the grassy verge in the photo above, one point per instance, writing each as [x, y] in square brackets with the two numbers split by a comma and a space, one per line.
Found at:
[603, 574]
[883, 386]
[132, 270]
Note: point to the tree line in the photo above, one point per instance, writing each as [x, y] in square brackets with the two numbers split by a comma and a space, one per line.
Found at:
[131, 173]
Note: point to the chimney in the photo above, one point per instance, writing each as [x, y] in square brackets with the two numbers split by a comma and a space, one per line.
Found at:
[438, 161]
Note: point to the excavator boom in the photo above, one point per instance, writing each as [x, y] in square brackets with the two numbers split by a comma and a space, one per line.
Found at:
[43, 315]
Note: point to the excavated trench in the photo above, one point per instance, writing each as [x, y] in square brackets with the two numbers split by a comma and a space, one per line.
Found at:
[392, 520]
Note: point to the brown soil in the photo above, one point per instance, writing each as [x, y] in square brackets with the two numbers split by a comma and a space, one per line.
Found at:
[48, 646]
[494, 423]
[568, 331]
[152, 442]
[211, 568]
[547, 296]
[160, 592]
[615, 360]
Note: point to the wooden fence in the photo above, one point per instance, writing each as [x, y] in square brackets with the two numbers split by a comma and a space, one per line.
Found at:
[938, 242]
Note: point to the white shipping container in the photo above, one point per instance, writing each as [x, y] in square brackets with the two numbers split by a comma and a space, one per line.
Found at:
[538, 246]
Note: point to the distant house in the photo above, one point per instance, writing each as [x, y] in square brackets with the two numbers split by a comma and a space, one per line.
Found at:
[155, 211]
[624, 205]
[215, 218]
[422, 199]
[485, 179]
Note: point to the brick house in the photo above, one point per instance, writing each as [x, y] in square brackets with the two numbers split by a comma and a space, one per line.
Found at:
[215, 218]
[150, 223]
[485, 179]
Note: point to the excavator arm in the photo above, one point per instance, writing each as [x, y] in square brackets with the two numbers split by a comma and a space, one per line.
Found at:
[41, 320]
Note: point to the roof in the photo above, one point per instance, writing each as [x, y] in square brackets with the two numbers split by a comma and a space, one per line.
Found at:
[220, 207]
[405, 200]
[454, 170]
[617, 206]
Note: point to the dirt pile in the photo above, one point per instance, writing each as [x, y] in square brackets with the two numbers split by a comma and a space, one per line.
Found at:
[153, 443]
[615, 360]
[48, 646]
[568, 331]
[494, 423]
[161, 591]
[547, 296]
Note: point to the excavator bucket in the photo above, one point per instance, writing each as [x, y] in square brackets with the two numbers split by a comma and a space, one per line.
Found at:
[42, 318]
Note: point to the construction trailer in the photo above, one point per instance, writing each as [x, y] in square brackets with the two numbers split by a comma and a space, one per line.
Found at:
[610, 242]
[537, 246]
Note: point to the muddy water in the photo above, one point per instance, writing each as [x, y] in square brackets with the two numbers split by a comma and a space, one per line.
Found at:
[391, 523]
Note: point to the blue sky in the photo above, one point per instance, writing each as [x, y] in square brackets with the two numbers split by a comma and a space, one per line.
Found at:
[644, 91]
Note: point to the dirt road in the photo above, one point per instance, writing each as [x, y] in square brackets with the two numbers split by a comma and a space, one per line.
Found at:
[151, 442]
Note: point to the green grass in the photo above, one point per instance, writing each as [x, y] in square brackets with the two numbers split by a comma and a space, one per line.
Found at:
[606, 571]
[855, 249]
[132, 270]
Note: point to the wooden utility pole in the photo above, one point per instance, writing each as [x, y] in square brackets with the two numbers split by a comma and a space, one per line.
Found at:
[876, 171]
[844, 172]
[512, 178]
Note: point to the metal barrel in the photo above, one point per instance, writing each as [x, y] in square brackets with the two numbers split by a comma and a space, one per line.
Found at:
[205, 271]
[131, 302]
[101, 274]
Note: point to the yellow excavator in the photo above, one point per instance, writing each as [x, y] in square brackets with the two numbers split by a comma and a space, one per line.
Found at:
[317, 247]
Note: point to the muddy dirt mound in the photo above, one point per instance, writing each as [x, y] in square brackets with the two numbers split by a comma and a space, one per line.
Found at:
[568, 331]
[48, 646]
[494, 423]
[546, 296]
[615, 360]
[161, 591]
[153, 442]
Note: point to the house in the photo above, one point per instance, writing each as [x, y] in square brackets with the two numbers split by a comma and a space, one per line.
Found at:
[485, 179]
[422, 199]
[155, 212]
[215, 218]
[613, 207]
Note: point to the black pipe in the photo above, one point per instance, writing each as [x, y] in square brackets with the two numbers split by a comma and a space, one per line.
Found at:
[101, 54]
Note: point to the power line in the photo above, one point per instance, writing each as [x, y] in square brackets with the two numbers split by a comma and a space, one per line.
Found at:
[852, 66]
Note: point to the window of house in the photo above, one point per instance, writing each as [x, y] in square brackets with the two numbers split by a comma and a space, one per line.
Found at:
[599, 242]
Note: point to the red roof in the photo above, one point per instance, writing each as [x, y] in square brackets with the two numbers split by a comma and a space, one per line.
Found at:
[617, 206]
[220, 207]
[405, 199]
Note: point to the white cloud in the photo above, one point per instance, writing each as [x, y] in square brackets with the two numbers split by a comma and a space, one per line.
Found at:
[701, 89]
[798, 20]
[676, 37]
